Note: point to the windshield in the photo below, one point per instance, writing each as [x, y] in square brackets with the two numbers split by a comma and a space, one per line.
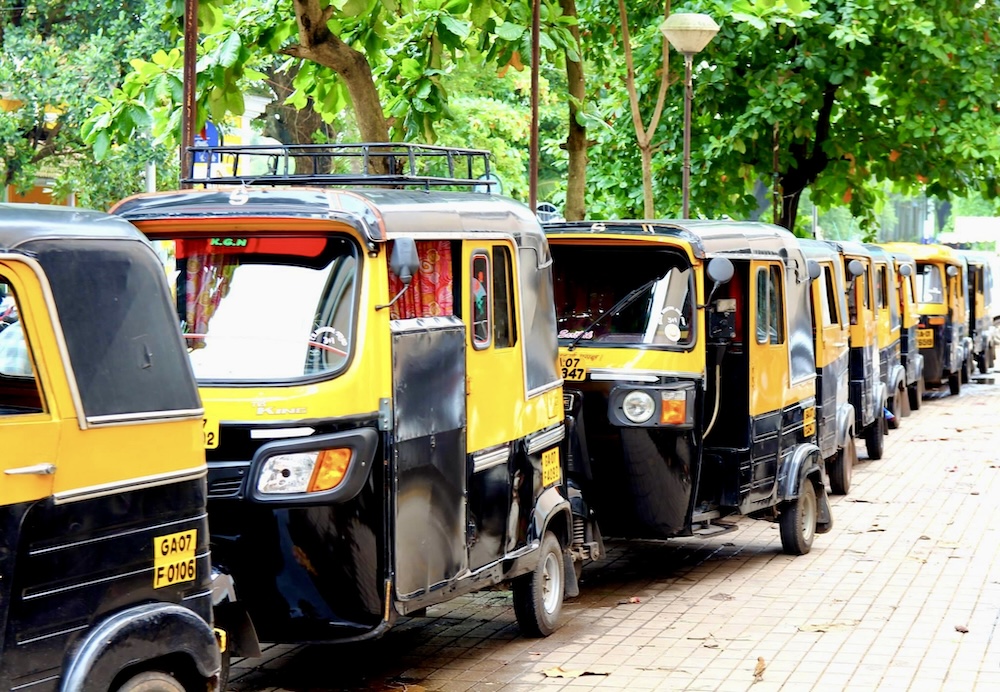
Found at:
[264, 308]
[590, 280]
[930, 285]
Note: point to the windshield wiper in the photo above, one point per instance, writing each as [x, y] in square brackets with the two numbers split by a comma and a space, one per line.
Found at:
[615, 309]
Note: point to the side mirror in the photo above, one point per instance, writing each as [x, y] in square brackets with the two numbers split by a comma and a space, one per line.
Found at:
[814, 269]
[905, 270]
[404, 261]
[855, 268]
[952, 270]
[720, 270]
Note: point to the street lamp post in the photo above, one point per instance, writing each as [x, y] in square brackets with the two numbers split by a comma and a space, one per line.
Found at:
[688, 33]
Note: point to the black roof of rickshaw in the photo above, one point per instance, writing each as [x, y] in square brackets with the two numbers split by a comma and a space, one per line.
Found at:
[21, 223]
[377, 213]
[707, 237]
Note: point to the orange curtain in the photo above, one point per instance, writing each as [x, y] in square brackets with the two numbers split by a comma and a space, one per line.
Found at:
[431, 292]
[208, 281]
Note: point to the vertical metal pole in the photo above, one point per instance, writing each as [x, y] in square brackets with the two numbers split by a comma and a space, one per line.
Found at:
[188, 114]
[688, 95]
[535, 59]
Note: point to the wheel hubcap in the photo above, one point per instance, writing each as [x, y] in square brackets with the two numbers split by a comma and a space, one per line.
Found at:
[551, 583]
[808, 515]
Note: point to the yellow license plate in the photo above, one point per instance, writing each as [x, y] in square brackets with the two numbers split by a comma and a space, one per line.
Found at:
[925, 338]
[809, 421]
[173, 558]
[571, 369]
[551, 472]
[210, 431]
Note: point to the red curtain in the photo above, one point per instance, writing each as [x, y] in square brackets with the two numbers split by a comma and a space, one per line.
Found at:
[430, 293]
[208, 280]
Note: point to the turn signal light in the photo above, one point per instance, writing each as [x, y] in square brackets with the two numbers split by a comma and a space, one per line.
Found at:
[674, 408]
[935, 320]
[331, 467]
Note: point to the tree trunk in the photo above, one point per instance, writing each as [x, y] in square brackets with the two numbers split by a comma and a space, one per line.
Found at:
[318, 44]
[646, 151]
[576, 139]
[806, 164]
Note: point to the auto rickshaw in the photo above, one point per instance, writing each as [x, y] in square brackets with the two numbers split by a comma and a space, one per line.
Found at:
[909, 351]
[687, 353]
[376, 354]
[868, 393]
[980, 312]
[942, 333]
[888, 326]
[831, 329]
[105, 582]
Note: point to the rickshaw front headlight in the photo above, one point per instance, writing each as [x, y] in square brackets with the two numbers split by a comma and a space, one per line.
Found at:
[304, 472]
[638, 406]
[287, 473]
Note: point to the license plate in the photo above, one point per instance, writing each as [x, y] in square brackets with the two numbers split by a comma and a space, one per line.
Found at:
[571, 369]
[210, 430]
[173, 558]
[809, 421]
[551, 472]
[925, 338]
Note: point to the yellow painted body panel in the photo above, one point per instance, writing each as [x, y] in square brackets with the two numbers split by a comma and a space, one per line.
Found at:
[864, 332]
[832, 340]
[886, 333]
[771, 388]
[84, 458]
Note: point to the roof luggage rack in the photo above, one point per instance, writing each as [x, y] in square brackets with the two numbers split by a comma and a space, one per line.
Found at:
[386, 164]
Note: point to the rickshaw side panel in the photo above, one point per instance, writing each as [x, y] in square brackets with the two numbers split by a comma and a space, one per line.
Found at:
[63, 578]
[430, 460]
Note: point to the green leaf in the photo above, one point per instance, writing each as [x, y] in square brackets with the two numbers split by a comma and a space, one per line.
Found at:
[410, 68]
[101, 144]
[459, 28]
[510, 32]
[229, 52]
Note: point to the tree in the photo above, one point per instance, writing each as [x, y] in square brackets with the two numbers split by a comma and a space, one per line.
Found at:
[53, 56]
[846, 95]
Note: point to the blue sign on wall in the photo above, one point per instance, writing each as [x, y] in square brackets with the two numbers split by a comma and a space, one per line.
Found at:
[208, 137]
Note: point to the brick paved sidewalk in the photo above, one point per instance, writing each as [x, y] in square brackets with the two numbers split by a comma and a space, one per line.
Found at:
[877, 605]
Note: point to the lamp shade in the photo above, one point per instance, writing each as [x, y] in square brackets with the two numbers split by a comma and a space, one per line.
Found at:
[689, 32]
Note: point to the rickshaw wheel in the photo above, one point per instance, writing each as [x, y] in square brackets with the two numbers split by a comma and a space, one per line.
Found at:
[842, 468]
[152, 681]
[966, 368]
[916, 393]
[955, 383]
[875, 439]
[798, 521]
[896, 408]
[538, 596]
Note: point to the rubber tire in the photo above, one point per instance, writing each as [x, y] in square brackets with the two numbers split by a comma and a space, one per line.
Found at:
[965, 369]
[896, 408]
[955, 383]
[841, 468]
[152, 681]
[538, 595]
[916, 394]
[797, 521]
[875, 439]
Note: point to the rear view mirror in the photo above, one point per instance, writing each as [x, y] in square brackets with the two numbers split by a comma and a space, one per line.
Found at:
[905, 270]
[952, 270]
[814, 269]
[855, 268]
[404, 261]
[720, 270]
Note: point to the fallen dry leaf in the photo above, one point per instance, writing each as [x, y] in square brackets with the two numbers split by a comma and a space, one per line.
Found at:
[721, 597]
[560, 672]
[961, 628]
[630, 599]
[827, 626]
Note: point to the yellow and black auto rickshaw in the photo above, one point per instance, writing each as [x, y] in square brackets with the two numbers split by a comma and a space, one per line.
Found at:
[868, 393]
[687, 351]
[941, 283]
[831, 327]
[888, 327]
[980, 311]
[377, 358]
[104, 565]
[909, 351]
